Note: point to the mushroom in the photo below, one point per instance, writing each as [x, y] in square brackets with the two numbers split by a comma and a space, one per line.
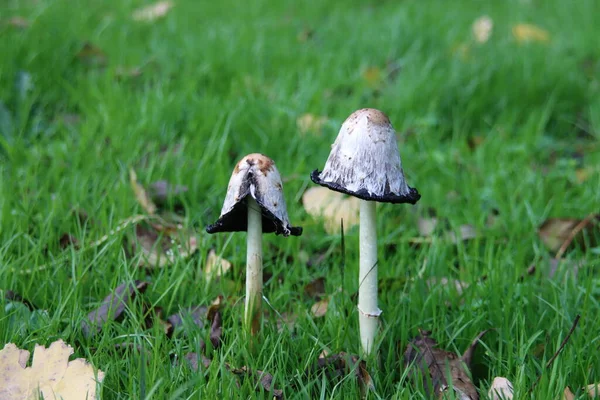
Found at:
[364, 162]
[254, 203]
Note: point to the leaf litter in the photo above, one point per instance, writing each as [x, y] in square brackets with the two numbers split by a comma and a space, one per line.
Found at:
[51, 374]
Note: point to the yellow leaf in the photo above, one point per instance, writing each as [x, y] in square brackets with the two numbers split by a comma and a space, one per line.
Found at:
[141, 194]
[51, 374]
[309, 123]
[332, 207]
[153, 11]
[482, 28]
[373, 77]
[530, 33]
[215, 266]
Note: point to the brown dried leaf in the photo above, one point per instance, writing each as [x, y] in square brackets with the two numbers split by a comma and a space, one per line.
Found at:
[192, 358]
[319, 309]
[430, 365]
[67, 240]
[153, 12]
[554, 232]
[567, 394]
[215, 266]
[332, 207]
[51, 374]
[315, 289]
[141, 195]
[525, 33]
[263, 379]
[339, 365]
[91, 55]
[112, 307]
[216, 330]
[196, 314]
[501, 389]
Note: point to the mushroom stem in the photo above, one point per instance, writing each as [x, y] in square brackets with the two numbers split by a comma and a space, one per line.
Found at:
[254, 275]
[368, 312]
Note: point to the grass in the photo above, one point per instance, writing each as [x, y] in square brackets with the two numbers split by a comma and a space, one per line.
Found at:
[222, 80]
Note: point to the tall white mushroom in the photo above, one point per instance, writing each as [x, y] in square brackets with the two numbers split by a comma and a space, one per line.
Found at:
[364, 162]
[254, 203]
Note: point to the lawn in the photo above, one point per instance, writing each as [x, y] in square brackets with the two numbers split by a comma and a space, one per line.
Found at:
[497, 136]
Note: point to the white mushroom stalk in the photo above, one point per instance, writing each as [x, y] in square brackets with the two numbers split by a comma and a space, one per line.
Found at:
[364, 162]
[254, 203]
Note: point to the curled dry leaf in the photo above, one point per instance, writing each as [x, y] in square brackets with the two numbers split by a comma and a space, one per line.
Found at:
[316, 288]
[339, 365]
[482, 29]
[437, 368]
[555, 232]
[153, 12]
[319, 309]
[216, 330]
[112, 307]
[141, 194]
[501, 389]
[309, 123]
[196, 314]
[215, 266]
[51, 374]
[525, 33]
[332, 207]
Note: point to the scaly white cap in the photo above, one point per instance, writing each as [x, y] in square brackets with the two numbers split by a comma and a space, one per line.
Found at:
[257, 176]
[364, 161]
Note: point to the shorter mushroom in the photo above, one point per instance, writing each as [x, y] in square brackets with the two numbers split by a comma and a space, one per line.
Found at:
[254, 203]
[364, 162]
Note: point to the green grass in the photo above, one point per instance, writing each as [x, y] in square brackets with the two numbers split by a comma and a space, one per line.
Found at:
[222, 80]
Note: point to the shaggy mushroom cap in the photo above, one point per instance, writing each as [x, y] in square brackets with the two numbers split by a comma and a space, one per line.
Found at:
[364, 161]
[255, 175]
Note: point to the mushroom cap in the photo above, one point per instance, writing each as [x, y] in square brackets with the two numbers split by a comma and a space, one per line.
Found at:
[255, 175]
[364, 161]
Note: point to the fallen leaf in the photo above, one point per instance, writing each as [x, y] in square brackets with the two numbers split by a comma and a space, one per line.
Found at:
[196, 314]
[159, 249]
[319, 309]
[593, 390]
[91, 55]
[524, 33]
[51, 374]
[309, 123]
[316, 288]
[153, 12]
[482, 29]
[265, 380]
[555, 232]
[67, 240]
[193, 358]
[567, 394]
[112, 307]
[501, 389]
[373, 77]
[332, 207]
[437, 368]
[18, 22]
[337, 366]
[140, 194]
[216, 330]
[215, 266]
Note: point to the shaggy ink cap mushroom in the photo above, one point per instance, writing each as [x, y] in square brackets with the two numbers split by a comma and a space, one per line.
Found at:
[364, 161]
[255, 175]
